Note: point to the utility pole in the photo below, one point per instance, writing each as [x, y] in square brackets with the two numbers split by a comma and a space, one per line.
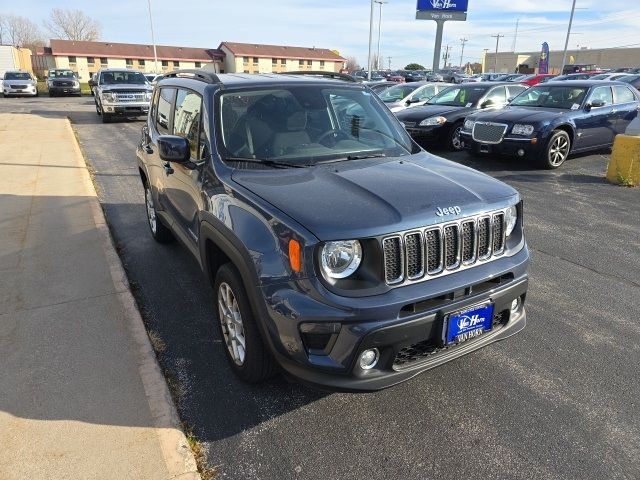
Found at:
[370, 41]
[462, 41]
[389, 62]
[495, 60]
[379, 32]
[153, 40]
[515, 37]
[446, 55]
[566, 43]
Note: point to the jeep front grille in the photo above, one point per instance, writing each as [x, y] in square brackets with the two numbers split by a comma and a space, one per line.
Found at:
[487, 132]
[426, 253]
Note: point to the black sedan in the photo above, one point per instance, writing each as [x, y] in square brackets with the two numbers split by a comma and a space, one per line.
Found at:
[549, 121]
[440, 119]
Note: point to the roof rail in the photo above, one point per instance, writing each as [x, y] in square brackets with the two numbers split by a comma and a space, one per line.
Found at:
[197, 74]
[321, 73]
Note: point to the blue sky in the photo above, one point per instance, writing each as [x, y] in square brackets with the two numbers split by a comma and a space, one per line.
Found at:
[344, 24]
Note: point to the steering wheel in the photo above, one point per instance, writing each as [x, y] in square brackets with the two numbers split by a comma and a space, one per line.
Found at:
[336, 136]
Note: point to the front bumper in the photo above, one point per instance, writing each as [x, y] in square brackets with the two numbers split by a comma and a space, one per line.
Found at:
[385, 323]
[29, 91]
[510, 146]
[126, 109]
[56, 90]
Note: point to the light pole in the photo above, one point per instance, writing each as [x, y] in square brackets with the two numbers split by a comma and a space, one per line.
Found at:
[370, 41]
[379, 32]
[495, 60]
[153, 39]
[566, 43]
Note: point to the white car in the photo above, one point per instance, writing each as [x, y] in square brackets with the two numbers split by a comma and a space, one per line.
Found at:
[19, 83]
[405, 95]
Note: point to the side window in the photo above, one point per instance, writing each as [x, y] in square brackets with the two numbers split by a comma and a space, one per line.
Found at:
[498, 96]
[602, 93]
[186, 118]
[165, 101]
[425, 94]
[515, 90]
[623, 94]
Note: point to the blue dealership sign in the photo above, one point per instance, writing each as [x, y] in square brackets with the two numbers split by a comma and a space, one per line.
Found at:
[443, 5]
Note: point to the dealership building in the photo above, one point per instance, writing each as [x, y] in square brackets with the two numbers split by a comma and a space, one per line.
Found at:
[86, 58]
[509, 62]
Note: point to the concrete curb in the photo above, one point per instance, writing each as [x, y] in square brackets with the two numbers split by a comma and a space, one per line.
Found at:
[177, 455]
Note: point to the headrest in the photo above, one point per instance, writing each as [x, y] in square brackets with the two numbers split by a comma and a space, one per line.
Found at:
[297, 121]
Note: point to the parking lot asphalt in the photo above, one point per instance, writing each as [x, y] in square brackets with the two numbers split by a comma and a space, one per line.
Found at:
[558, 400]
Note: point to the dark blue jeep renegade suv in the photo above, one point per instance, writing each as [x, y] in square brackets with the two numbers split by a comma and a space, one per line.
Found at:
[338, 249]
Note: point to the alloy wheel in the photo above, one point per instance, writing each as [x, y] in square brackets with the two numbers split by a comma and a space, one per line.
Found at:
[558, 151]
[456, 139]
[151, 210]
[231, 322]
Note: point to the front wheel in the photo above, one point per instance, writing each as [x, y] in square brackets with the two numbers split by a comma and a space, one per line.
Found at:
[159, 231]
[454, 139]
[106, 118]
[245, 350]
[556, 151]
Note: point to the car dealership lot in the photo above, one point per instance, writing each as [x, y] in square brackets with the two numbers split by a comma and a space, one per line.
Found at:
[558, 400]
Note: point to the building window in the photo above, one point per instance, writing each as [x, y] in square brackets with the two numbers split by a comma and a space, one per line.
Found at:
[129, 63]
[301, 63]
[246, 71]
[91, 61]
[255, 62]
[198, 64]
[321, 64]
[309, 63]
[104, 61]
[165, 64]
[283, 62]
[141, 62]
[176, 64]
[274, 62]
[72, 60]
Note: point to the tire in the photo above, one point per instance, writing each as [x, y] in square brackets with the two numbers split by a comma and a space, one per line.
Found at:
[51, 94]
[98, 111]
[106, 118]
[159, 231]
[454, 141]
[252, 362]
[556, 151]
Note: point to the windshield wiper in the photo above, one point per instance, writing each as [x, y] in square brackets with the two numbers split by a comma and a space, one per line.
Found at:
[268, 163]
[352, 157]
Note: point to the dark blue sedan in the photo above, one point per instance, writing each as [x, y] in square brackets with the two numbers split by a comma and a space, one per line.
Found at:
[549, 121]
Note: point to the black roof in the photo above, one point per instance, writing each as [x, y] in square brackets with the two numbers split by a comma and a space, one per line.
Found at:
[580, 83]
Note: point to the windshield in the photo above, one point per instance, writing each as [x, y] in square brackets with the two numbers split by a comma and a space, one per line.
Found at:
[629, 78]
[17, 76]
[304, 125]
[62, 74]
[565, 98]
[111, 78]
[459, 96]
[397, 92]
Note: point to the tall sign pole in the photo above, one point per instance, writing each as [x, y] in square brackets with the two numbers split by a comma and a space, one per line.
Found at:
[370, 41]
[441, 11]
[566, 43]
[153, 40]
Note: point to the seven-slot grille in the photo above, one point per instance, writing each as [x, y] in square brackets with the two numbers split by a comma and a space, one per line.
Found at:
[487, 132]
[426, 253]
[130, 96]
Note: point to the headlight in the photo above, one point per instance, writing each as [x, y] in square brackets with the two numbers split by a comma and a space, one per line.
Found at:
[109, 96]
[76, 84]
[341, 259]
[468, 124]
[519, 129]
[148, 96]
[428, 122]
[510, 219]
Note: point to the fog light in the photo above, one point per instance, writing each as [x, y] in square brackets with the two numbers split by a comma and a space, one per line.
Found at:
[369, 358]
[515, 305]
[521, 153]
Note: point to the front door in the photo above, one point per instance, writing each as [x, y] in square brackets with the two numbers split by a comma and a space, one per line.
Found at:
[598, 125]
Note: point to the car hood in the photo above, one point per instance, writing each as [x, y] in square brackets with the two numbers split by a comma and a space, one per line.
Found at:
[520, 114]
[416, 114]
[365, 198]
[125, 86]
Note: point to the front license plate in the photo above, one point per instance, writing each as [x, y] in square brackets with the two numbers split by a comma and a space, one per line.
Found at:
[469, 323]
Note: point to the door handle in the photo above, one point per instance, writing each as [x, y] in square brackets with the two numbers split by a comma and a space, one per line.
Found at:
[167, 168]
[148, 149]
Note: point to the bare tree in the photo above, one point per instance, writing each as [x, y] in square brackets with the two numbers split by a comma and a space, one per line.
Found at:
[352, 64]
[20, 32]
[72, 25]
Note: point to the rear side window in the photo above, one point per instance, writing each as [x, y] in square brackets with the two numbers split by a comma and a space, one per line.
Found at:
[186, 118]
[515, 90]
[164, 110]
[623, 94]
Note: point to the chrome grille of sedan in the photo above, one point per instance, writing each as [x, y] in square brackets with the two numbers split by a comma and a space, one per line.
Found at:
[437, 250]
[487, 132]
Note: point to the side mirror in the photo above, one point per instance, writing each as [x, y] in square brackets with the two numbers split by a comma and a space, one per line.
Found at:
[510, 99]
[596, 103]
[174, 149]
[487, 103]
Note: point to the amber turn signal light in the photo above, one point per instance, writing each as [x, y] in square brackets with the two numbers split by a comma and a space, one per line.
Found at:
[295, 255]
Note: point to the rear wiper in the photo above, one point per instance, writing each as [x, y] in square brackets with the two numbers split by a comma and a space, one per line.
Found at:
[268, 163]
